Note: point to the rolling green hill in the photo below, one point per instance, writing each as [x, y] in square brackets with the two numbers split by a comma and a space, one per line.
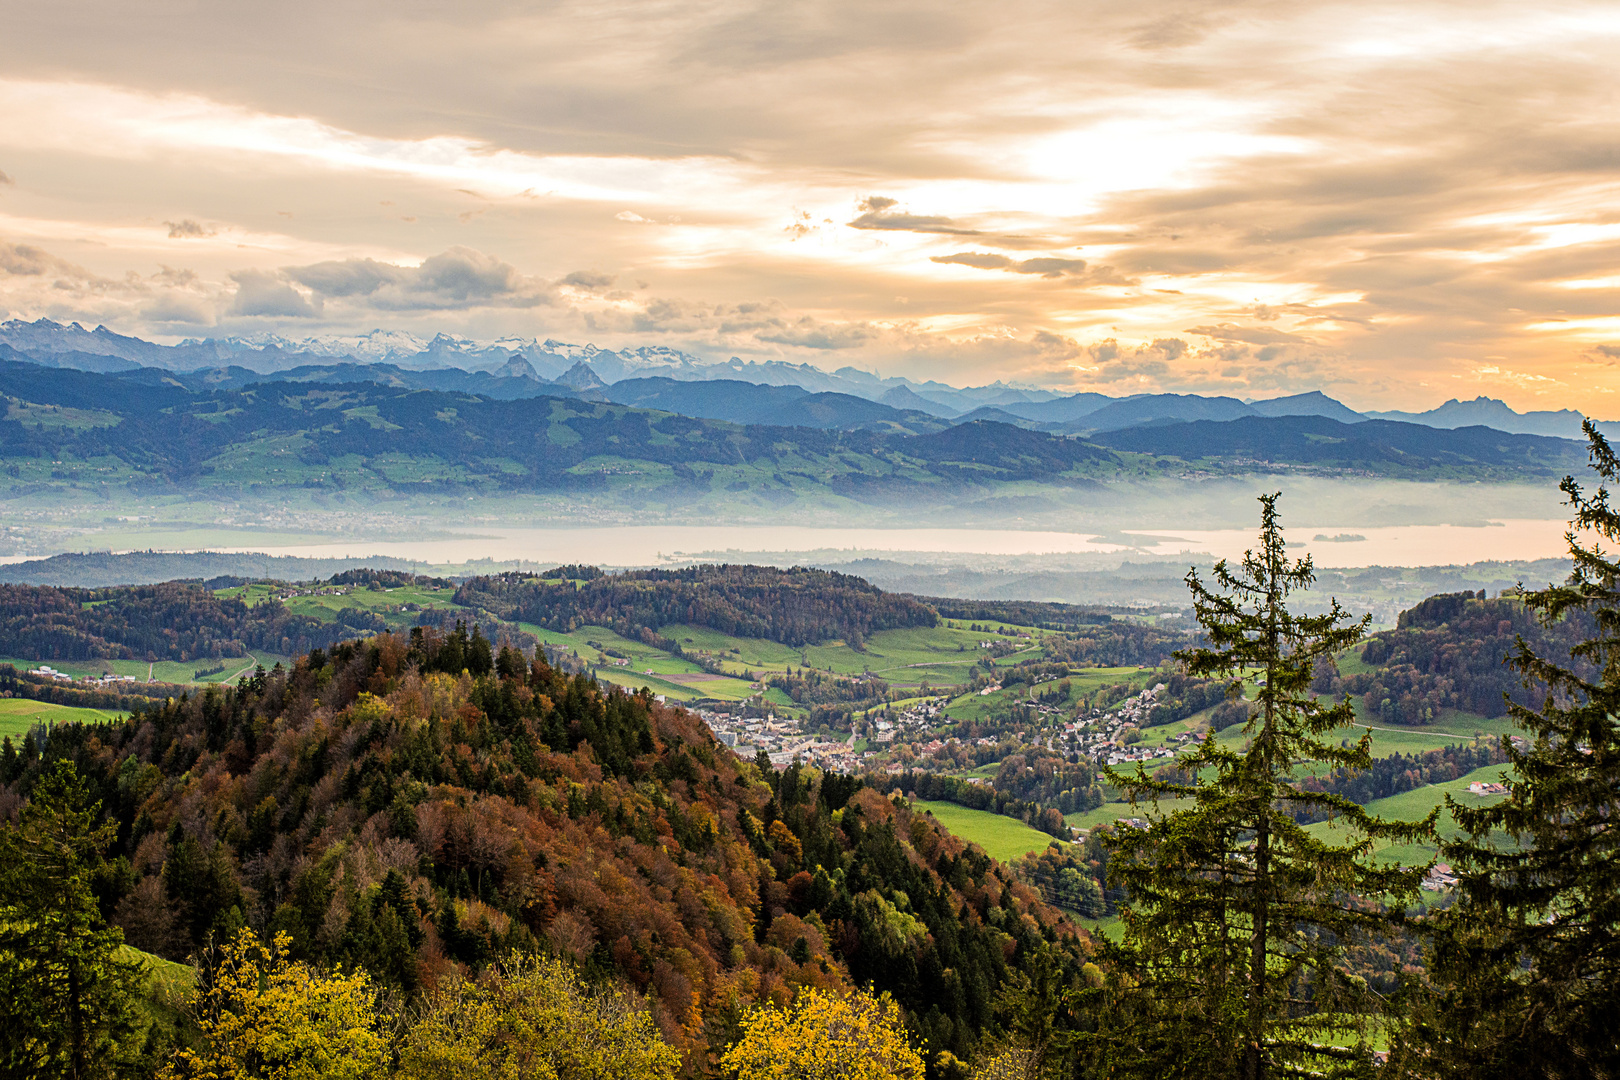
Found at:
[71, 431]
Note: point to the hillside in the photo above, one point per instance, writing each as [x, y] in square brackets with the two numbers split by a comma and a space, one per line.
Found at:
[776, 406]
[99, 569]
[173, 621]
[68, 429]
[414, 806]
[793, 607]
[123, 435]
[1450, 652]
[1381, 447]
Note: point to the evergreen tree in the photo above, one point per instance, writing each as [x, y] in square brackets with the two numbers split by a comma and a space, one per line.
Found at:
[1237, 917]
[66, 999]
[1526, 968]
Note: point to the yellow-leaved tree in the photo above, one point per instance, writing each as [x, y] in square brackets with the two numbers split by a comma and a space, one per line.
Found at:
[263, 1017]
[533, 1019]
[825, 1036]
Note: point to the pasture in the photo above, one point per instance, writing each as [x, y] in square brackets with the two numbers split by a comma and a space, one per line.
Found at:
[1001, 837]
[18, 715]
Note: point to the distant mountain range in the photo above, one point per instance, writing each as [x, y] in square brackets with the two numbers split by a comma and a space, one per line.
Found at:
[1488, 412]
[772, 393]
[83, 435]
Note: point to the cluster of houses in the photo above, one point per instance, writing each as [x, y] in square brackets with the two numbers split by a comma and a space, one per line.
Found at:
[1439, 878]
[1486, 787]
[782, 739]
[1098, 734]
[920, 717]
[1134, 710]
[45, 671]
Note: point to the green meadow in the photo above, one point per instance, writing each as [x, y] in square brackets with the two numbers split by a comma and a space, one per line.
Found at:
[677, 678]
[1416, 804]
[325, 606]
[1110, 812]
[1001, 837]
[168, 671]
[18, 715]
[1082, 685]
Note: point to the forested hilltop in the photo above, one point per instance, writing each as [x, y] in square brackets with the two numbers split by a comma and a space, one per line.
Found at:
[173, 621]
[1449, 652]
[795, 607]
[408, 805]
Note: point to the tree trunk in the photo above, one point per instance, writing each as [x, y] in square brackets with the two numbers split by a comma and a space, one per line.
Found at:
[75, 1006]
[1255, 1065]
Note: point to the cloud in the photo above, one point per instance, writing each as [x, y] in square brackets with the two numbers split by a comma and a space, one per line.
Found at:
[808, 333]
[178, 307]
[1399, 194]
[877, 215]
[1111, 362]
[1249, 335]
[350, 277]
[459, 278]
[463, 275]
[1174, 31]
[261, 293]
[1045, 267]
[25, 260]
[187, 229]
[589, 279]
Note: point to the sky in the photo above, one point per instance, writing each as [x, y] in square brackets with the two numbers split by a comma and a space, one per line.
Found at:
[1394, 203]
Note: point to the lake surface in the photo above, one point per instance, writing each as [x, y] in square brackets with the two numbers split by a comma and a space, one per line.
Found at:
[651, 545]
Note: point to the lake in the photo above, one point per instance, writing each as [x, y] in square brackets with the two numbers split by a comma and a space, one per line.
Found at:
[651, 545]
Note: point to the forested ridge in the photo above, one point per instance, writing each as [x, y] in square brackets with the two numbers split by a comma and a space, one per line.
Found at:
[1451, 651]
[416, 806]
[795, 607]
[176, 620]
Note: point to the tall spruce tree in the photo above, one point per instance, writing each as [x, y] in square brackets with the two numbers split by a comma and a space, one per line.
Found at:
[1526, 966]
[66, 999]
[1237, 917]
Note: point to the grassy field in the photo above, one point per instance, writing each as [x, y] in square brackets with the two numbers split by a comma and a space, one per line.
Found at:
[169, 671]
[1451, 727]
[1111, 927]
[907, 658]
[755, 654]
[167, 985]
[1414, 805]
[325, 606]
[675, 677]
[1001, 837]
[939, 656]
[17, 715]
[1082, 685]
[1110, 812]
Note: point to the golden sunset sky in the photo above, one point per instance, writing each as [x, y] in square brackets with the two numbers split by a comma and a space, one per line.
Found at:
[1393, 203]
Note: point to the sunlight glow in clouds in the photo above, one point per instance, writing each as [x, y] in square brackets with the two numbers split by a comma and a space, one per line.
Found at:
[1369, 199]
[117, 123]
